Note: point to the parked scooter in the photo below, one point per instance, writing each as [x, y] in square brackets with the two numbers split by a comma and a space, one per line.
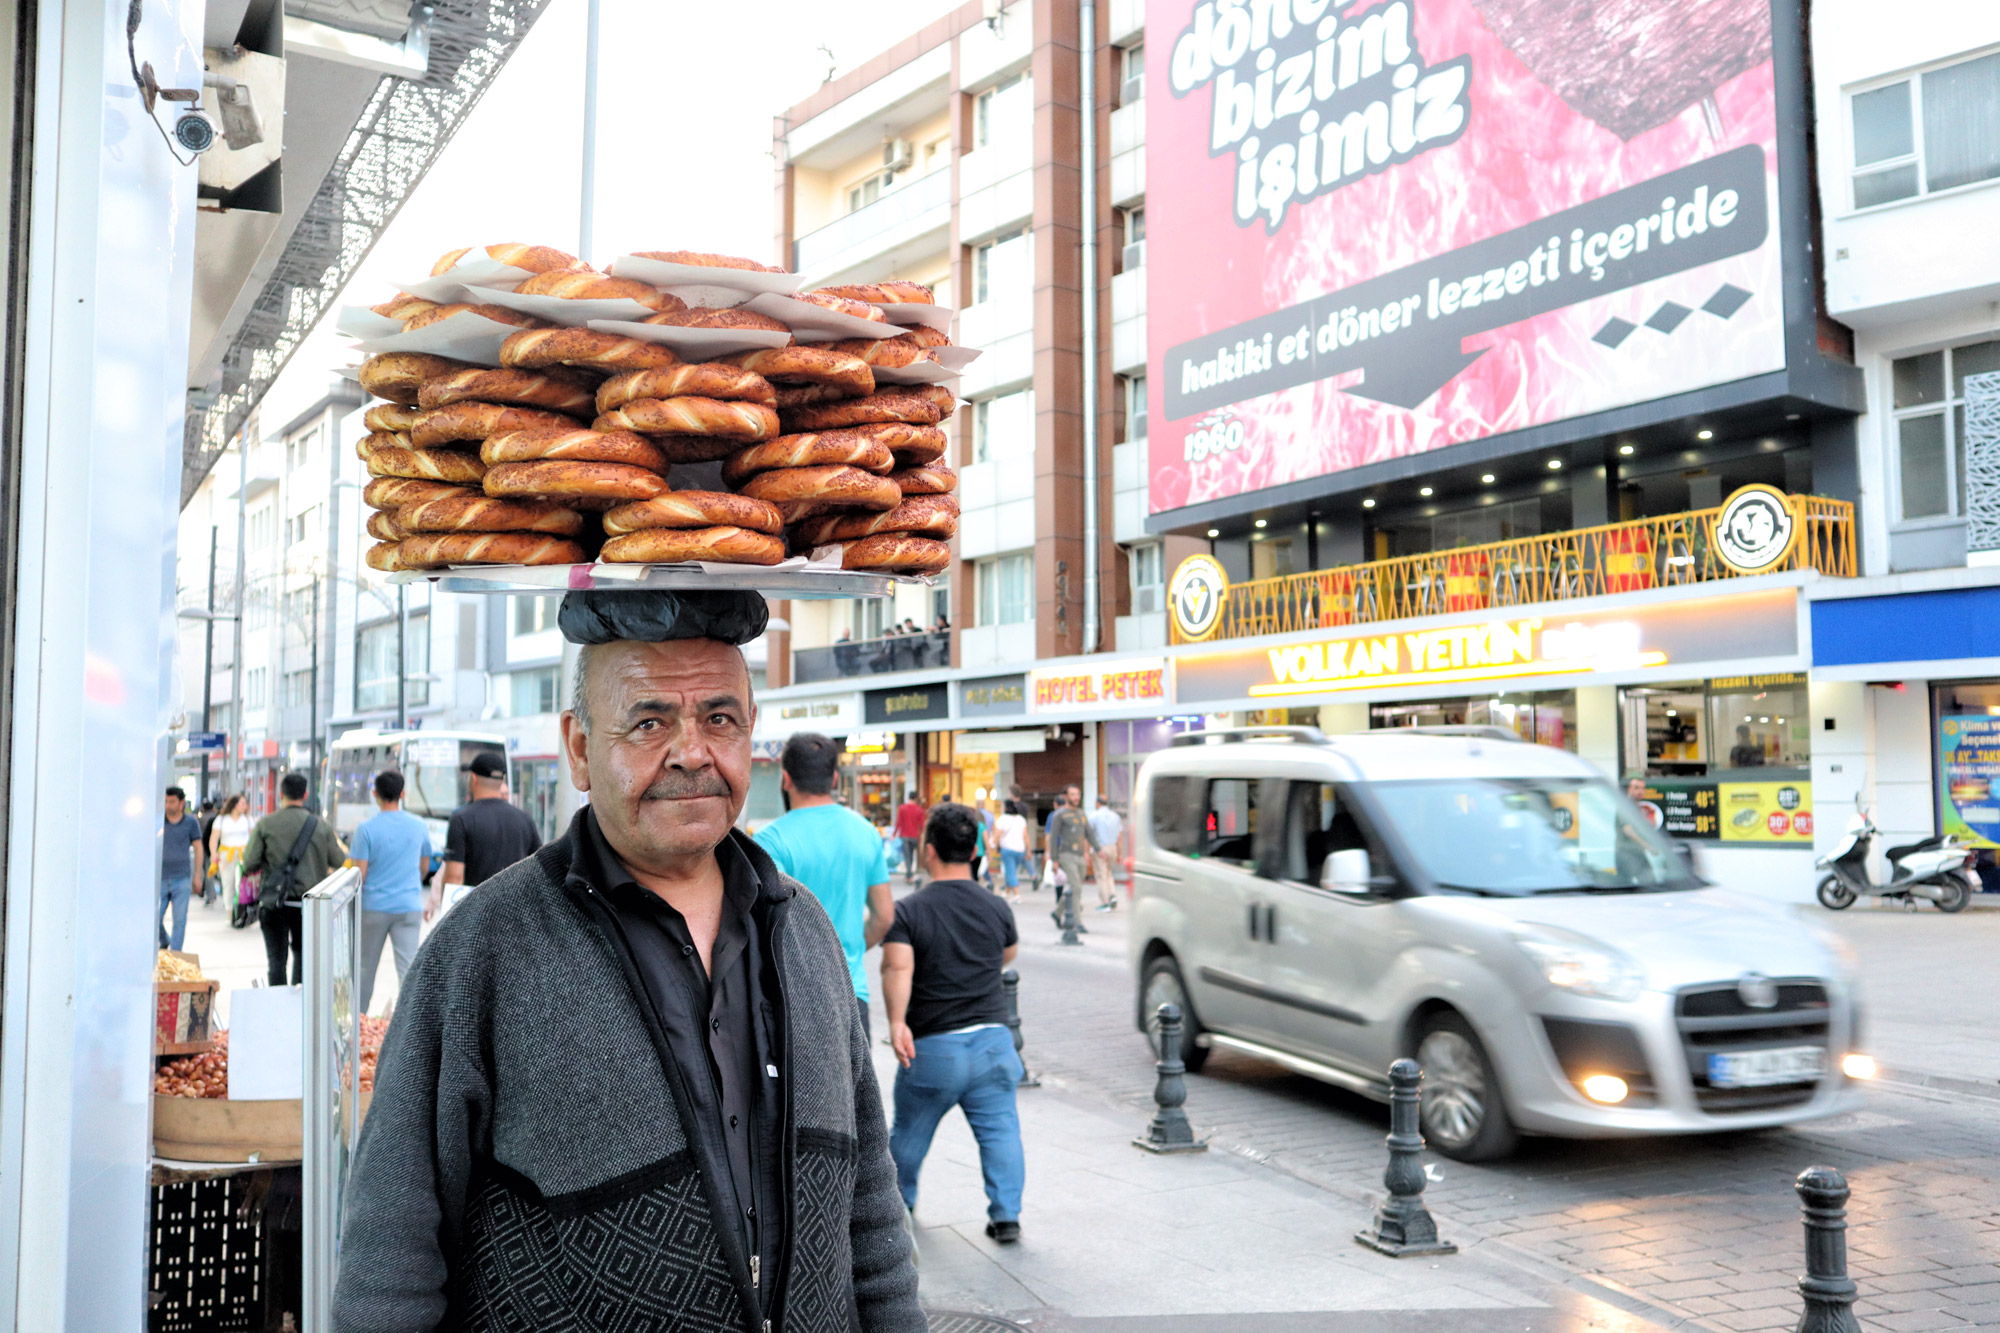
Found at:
[1938, 869]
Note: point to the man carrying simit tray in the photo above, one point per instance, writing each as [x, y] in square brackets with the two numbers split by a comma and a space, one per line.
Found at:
[627, 1085]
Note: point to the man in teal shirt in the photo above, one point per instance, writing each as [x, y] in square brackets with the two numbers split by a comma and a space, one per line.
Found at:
[832, 851]
[392, 850]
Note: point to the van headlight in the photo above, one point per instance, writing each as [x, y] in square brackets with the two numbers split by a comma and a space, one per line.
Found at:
[1579, 964]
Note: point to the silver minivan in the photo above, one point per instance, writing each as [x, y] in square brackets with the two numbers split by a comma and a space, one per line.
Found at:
[1494, 909]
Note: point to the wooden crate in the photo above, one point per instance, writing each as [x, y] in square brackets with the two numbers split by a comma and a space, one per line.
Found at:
[216, 1129]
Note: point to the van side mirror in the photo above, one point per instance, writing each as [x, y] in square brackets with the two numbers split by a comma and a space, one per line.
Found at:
[1347, 872]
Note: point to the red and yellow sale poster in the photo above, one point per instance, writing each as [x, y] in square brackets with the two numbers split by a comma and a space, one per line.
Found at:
[1376, 230]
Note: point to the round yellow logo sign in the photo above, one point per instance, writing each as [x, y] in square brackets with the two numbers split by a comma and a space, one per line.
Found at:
[1756, 529]
[1195, 597]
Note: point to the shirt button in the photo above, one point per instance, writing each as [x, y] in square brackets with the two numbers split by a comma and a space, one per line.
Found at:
[687, 949]
[715, 1025]
[732, 1122]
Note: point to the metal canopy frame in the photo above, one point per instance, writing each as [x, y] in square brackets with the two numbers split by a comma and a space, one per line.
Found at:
[406, 124]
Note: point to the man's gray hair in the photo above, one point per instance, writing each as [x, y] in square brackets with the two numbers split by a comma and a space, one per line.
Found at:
[579, 695]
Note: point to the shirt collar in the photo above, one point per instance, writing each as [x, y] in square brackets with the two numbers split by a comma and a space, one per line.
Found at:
[742, 882]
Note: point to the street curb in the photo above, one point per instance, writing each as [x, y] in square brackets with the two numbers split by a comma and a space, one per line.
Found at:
[1965, 1087]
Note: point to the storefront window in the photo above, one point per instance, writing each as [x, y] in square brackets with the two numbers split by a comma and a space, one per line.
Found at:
[1705, 727]
[1968, 764]
[1126, 745]
[1546, 717]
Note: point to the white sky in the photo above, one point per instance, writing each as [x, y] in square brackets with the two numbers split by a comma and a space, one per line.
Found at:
[686, 98]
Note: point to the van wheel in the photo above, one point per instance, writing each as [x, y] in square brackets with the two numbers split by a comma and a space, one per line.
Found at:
[1834, 894]
[1463, 1114]
[1162, 984]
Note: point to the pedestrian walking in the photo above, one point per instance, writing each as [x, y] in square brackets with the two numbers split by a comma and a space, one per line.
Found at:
[941, 966]
[229, 835]
[1069, 844]
[910, 831]
[1011, 831]
[181, 850]
[206, 887]
[627, 1086]
[485, 835]
[831, 850]
[1106, 828]
[392, 849]
[293, 849]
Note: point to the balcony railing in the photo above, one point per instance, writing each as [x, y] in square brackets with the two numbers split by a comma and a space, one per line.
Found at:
[1667, 552]
[871, 657]
[817, 248]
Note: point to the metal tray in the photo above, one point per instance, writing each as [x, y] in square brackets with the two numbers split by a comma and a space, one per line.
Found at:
[799, 583]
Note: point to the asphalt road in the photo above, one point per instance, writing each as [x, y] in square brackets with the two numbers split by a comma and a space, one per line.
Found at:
[1704, 1228]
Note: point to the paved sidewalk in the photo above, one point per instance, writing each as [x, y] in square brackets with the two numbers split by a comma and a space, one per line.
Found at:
[1117, 1240]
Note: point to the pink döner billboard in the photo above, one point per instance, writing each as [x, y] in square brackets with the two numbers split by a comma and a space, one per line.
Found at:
[1378, 229]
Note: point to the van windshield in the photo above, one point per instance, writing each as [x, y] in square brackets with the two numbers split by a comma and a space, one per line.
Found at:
[1513, 837]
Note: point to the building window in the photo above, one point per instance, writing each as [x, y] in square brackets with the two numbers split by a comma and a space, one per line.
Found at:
[1135, 407]
[1005, 264]
[1935, 131]
[297, 689]
[534, 691]
[869, 617]
[253, 687]
[1006, 590]
[1149, 579]
[375, 664]
[299, 610]
[865, 192]
[1004, 427]
[1001, 111]
[533, 615]
[1132, 74]
[1133, 224]
[1928, 394]
[937, 154]
[263, 526]
[302, 526]
[299, 449]
[256, 609]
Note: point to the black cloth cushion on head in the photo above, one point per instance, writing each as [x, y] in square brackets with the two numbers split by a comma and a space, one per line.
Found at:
[655, 616]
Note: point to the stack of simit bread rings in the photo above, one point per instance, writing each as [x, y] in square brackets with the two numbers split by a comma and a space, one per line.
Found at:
[859, 466]
[475, 464]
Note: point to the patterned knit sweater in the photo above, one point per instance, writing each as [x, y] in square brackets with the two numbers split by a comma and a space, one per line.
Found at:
[527, 1162]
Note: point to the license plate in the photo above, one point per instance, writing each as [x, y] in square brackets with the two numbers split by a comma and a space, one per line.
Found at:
[1757, 1069]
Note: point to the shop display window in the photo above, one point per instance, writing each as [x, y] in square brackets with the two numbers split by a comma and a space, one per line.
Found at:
[1702, 728]
[1966, 752]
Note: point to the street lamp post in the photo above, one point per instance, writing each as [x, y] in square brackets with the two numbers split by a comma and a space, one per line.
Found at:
[208, 659]
[402, 643]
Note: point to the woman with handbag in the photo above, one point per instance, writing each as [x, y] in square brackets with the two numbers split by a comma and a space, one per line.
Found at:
[232, 835]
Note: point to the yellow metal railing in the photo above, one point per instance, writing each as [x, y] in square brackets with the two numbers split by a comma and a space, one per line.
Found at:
[1667, 552]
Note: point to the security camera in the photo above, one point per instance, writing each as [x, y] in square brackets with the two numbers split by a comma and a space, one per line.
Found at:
[194, 132]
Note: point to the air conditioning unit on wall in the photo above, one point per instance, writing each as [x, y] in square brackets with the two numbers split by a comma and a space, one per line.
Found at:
[897, 155]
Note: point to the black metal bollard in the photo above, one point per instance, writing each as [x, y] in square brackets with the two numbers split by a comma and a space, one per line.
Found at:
[1169, 1130]
[1069, 926]
[1828, 1290]
[1403, 1226]
[1010, 983]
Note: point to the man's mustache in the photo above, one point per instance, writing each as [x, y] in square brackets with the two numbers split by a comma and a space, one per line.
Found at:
[674, 785]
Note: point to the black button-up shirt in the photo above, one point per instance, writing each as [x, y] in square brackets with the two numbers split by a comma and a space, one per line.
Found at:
[720, 1027]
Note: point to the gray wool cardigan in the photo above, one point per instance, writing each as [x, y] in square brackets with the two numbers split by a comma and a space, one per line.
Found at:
[527, 1162]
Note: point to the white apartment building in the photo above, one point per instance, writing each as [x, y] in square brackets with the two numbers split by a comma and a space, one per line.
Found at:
[1908, 137]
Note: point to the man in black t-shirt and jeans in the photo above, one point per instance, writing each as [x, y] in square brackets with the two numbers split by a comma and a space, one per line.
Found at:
[941, 963]
[486, 834]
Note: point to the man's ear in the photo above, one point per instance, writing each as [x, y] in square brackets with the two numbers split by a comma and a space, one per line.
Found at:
[574, 743]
